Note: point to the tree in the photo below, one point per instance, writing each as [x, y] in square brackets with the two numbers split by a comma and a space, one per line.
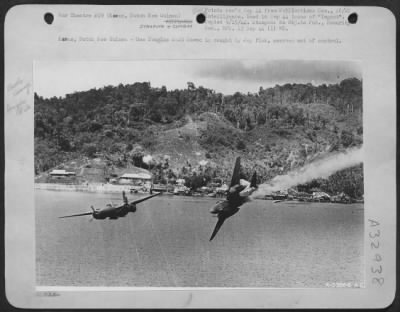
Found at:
[191, 86]
[241, 145]
[89, 149]
[346, 138]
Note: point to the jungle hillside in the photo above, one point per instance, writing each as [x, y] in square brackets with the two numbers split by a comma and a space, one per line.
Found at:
[196, 133]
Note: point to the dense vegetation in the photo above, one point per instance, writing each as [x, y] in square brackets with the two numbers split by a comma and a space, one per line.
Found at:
[276, 129]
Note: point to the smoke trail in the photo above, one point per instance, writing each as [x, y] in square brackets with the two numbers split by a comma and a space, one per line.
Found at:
[321, 168]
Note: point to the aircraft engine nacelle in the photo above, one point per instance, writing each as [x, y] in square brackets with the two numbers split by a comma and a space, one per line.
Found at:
[220, 207]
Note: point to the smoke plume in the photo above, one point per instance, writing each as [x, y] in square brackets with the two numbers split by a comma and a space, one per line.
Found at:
[147, 159]
[321, 168]
[203, 162]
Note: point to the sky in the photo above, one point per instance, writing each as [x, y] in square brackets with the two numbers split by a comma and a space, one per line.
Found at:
[225, 76]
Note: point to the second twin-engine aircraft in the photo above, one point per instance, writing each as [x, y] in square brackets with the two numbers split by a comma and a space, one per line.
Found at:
[238, 194]
[113, 212]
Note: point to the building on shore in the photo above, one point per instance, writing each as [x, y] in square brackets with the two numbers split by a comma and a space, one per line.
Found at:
[139, 178]
[321, 196]
[61, 176]
[61, 173]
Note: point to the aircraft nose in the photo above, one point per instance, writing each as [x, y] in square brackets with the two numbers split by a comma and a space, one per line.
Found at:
[217, 208]
[214, 209]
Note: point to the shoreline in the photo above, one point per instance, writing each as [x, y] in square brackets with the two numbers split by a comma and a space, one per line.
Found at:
[112, 188]
[89, 188]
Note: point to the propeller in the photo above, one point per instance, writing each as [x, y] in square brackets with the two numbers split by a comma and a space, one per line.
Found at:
[92, 218]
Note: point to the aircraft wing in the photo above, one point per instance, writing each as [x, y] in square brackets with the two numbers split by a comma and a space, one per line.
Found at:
[220, 221]
[144, 198]
[236, 173]
[78, 215]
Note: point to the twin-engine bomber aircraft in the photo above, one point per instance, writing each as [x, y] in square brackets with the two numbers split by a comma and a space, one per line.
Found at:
[113, 212]
[238, 194]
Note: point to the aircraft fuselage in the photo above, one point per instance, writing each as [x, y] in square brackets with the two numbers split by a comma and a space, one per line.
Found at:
[114, 212]
[237, 195]
[231, 205]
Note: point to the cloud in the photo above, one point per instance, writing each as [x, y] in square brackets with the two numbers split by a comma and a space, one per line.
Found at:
[226, 76]
[281, 71]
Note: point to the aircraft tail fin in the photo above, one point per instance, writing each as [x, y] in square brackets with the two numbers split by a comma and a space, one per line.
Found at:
[221, 221]
[253, 182]
[236, 173]
[125, 199]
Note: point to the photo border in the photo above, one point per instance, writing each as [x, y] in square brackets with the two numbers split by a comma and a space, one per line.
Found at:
[238, 304]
